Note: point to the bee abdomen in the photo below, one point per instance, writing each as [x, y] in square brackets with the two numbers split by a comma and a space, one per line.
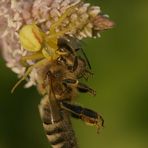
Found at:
[55, 134]
[59, 133]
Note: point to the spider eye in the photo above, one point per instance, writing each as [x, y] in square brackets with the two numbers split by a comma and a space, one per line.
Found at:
[31, 37]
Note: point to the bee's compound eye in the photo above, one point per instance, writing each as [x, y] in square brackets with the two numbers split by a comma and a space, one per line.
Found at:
[31, 37]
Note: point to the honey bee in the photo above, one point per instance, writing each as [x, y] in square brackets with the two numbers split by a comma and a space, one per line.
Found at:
[61, 88]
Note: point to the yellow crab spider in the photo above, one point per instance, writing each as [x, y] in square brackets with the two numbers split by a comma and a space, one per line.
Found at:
[43, 47]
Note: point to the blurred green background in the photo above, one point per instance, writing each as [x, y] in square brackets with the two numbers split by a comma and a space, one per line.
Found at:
[120, 61]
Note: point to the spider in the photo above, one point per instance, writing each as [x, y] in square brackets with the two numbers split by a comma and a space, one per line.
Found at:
[44, 48]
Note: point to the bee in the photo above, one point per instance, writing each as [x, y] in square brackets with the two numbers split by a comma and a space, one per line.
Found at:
[61, 88]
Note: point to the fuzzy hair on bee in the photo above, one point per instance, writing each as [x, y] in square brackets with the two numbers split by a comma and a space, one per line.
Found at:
[60, 87]
[57, 74]
[64, 82]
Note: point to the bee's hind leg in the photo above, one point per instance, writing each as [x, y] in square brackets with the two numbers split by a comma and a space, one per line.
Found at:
[89, 116]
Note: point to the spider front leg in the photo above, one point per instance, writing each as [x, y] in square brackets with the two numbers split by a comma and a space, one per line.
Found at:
[32, 57]
[38, 64]
[69, 11]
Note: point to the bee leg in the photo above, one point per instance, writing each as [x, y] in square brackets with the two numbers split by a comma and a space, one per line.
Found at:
[70, 82]
[80, 86]
[84, 75]
[84, 89]
[74, 66]
[89, 72]
[40, 63]
[87, 115]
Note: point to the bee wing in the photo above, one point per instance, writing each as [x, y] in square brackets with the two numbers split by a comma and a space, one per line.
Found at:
[76, 44]
[54, 107]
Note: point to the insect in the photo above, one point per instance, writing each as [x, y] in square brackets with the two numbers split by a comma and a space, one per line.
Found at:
[61, 88]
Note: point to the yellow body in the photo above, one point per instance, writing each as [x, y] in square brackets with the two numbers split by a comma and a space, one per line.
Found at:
[31, 38]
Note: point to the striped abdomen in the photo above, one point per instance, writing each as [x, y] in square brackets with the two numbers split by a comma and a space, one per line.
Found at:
[59, 133]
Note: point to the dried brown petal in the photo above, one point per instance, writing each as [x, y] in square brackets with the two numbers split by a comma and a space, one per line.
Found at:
[102, 23]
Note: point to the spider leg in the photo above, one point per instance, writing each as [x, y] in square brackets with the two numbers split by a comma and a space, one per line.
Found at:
[69, 11]
[61, 33]
[34, 56]
[40, 63]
